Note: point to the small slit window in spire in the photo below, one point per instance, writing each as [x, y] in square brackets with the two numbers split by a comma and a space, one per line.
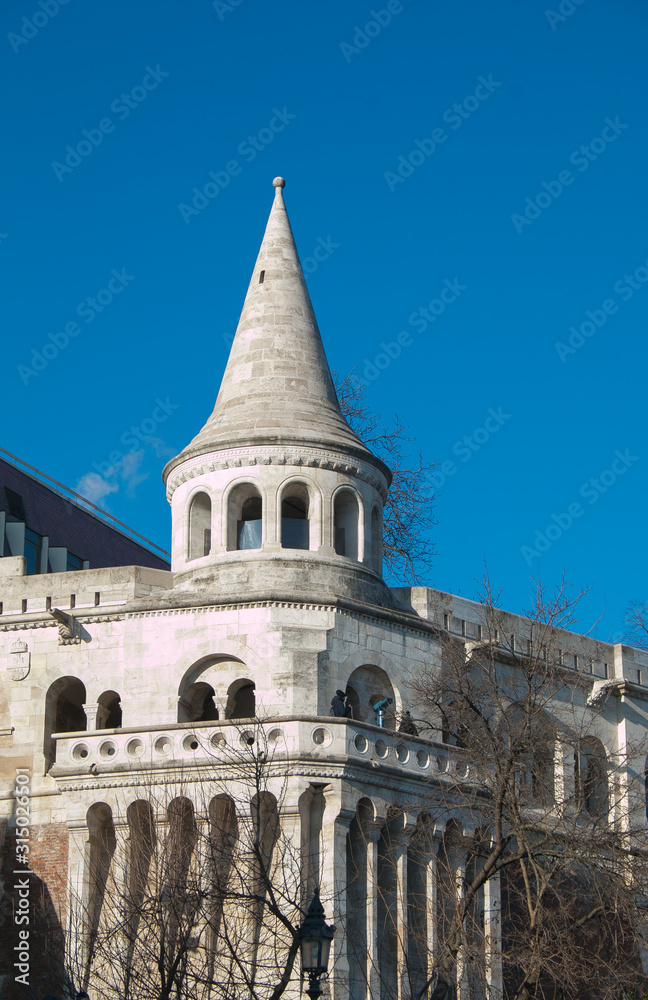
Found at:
[261, 277]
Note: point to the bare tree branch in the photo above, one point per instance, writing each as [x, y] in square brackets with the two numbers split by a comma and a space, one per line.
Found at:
[408, 514]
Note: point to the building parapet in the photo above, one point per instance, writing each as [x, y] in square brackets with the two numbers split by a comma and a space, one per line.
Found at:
[315, 739]
[466, 620]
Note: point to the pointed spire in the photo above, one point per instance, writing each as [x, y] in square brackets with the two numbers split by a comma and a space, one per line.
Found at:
[277, 387]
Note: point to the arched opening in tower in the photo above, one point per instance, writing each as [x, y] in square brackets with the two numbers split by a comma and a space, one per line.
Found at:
[241, 700]
[249, 527]
[346, 513]
[197, 704]
[244, 518]
[200, 526]
[295, 524]
[64, 713]
[109, 712]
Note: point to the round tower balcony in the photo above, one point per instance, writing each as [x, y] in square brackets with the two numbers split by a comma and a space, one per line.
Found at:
[268, 521]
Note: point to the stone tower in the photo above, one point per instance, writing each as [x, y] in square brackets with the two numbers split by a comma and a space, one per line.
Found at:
[276, 496]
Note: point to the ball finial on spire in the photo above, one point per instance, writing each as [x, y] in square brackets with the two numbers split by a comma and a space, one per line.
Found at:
[279, 182]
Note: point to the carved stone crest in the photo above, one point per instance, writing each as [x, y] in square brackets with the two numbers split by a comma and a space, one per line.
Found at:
[18, 661]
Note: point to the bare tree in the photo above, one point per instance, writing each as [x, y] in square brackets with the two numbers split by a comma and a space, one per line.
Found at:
[204, 896]
[550, 814]
[408, 512]
[636, 619]
[535, 833]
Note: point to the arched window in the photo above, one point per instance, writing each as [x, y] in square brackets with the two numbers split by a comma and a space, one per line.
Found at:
[241, 701]
[367, 687]
[346, 514]
[141, 847]
[223, 837]
[376, 540]
[101, 848]
[531, 735]
[591, 777]
[64, 713]
[244, 518]
[199, 526]
[109, 712]
[265, 833]
[295, 525]
[197, 704]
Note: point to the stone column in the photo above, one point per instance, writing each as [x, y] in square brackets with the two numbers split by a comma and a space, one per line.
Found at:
[271, 521]
[401, 911]
[459, 876]
[373, 977]
[493, 937]
[335, 828]
[91, 710]
[432, 931]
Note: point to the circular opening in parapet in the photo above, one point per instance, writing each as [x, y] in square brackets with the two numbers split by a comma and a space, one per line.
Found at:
[135, 748]
[190, 743]
[107, 749]
[321, 737]
[276, 739]
[381, 748]
[163, 745]
[360, 743]
[247, 739]
[461, 769]
[80, 751]
[402, 753]
[218, 741]
[423, 758]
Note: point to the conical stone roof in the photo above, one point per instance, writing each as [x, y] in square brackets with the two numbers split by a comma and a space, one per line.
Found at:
[277, 386]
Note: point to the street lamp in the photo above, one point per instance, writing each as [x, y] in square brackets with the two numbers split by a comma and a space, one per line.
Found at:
[315, 937]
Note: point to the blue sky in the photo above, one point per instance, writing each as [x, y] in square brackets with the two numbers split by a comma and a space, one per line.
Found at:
[427, 146]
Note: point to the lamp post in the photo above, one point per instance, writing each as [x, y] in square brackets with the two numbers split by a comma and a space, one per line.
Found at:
[315, 937]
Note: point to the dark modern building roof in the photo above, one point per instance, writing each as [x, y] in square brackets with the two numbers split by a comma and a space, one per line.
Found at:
[75, 538]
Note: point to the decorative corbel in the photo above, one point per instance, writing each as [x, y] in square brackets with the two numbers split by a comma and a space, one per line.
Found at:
[68, 627]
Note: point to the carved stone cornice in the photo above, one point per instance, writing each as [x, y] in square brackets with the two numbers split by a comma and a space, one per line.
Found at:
[314, 458]
[398, 620]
